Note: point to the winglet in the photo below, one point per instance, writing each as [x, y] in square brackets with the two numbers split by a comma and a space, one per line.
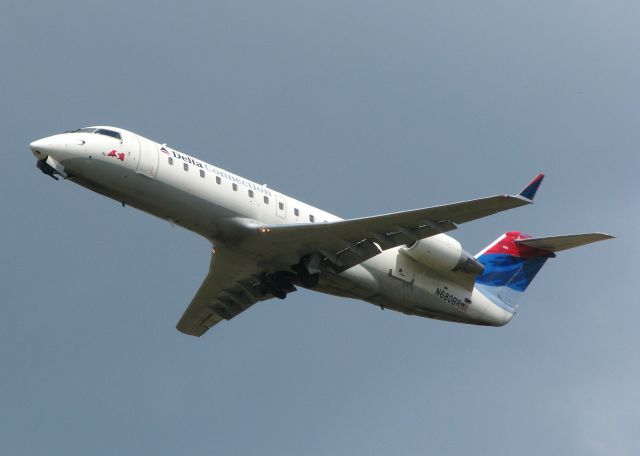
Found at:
[530, 190]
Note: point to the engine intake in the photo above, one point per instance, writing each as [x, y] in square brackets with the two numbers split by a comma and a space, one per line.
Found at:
[442, 252]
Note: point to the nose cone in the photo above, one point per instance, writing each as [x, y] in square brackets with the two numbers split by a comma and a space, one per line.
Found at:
[60, 147]
[42, 148]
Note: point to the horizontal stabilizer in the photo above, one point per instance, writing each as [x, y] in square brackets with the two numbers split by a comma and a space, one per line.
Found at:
[513, 260]
[558, 243]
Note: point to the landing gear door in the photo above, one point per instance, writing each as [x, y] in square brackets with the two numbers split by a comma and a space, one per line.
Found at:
[148, 164]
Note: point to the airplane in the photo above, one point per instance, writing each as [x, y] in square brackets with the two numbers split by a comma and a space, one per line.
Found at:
[266, 244]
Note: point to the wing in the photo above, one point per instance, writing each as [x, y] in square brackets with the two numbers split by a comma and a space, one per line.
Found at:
[231, 287]
[343, 244]
[234, 280]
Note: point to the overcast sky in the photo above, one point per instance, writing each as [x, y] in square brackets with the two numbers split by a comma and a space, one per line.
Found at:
[359, 108]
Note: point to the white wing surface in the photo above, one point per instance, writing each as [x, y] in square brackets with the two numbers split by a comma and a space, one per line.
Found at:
[234, 280]
[345, 243]
[231, 287]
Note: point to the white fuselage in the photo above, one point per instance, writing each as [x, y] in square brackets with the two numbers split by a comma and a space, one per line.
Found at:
[220, 206]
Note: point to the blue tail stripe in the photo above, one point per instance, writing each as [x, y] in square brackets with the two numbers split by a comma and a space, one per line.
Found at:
[508, 270]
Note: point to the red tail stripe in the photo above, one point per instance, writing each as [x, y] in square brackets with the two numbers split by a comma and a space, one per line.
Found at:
[508, 246]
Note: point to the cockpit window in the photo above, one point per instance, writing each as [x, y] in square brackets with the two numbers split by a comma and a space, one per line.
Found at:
[83, 130]
[113, 134]
[99, 131]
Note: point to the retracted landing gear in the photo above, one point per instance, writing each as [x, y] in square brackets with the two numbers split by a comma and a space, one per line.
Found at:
[307, 271]
[279, 283]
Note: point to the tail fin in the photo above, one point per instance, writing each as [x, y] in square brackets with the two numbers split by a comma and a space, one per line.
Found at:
[513, 260]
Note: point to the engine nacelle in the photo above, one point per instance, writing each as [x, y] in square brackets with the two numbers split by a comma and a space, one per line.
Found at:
[442, 252]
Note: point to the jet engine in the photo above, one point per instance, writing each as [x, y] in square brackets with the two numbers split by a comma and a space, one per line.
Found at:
[442, 252]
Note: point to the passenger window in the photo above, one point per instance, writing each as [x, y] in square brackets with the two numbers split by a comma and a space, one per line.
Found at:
[234, 187]
[281, 206]
[312, 218]
[201, 173]
[250, 192]
[296, 212]
[171, 160]
[218, 180]
[266, 200]
[185, 166]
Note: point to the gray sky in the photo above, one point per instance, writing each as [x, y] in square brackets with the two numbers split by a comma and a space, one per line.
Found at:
[359, 108]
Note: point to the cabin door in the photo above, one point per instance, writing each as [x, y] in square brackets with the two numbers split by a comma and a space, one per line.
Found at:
[148, 163]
